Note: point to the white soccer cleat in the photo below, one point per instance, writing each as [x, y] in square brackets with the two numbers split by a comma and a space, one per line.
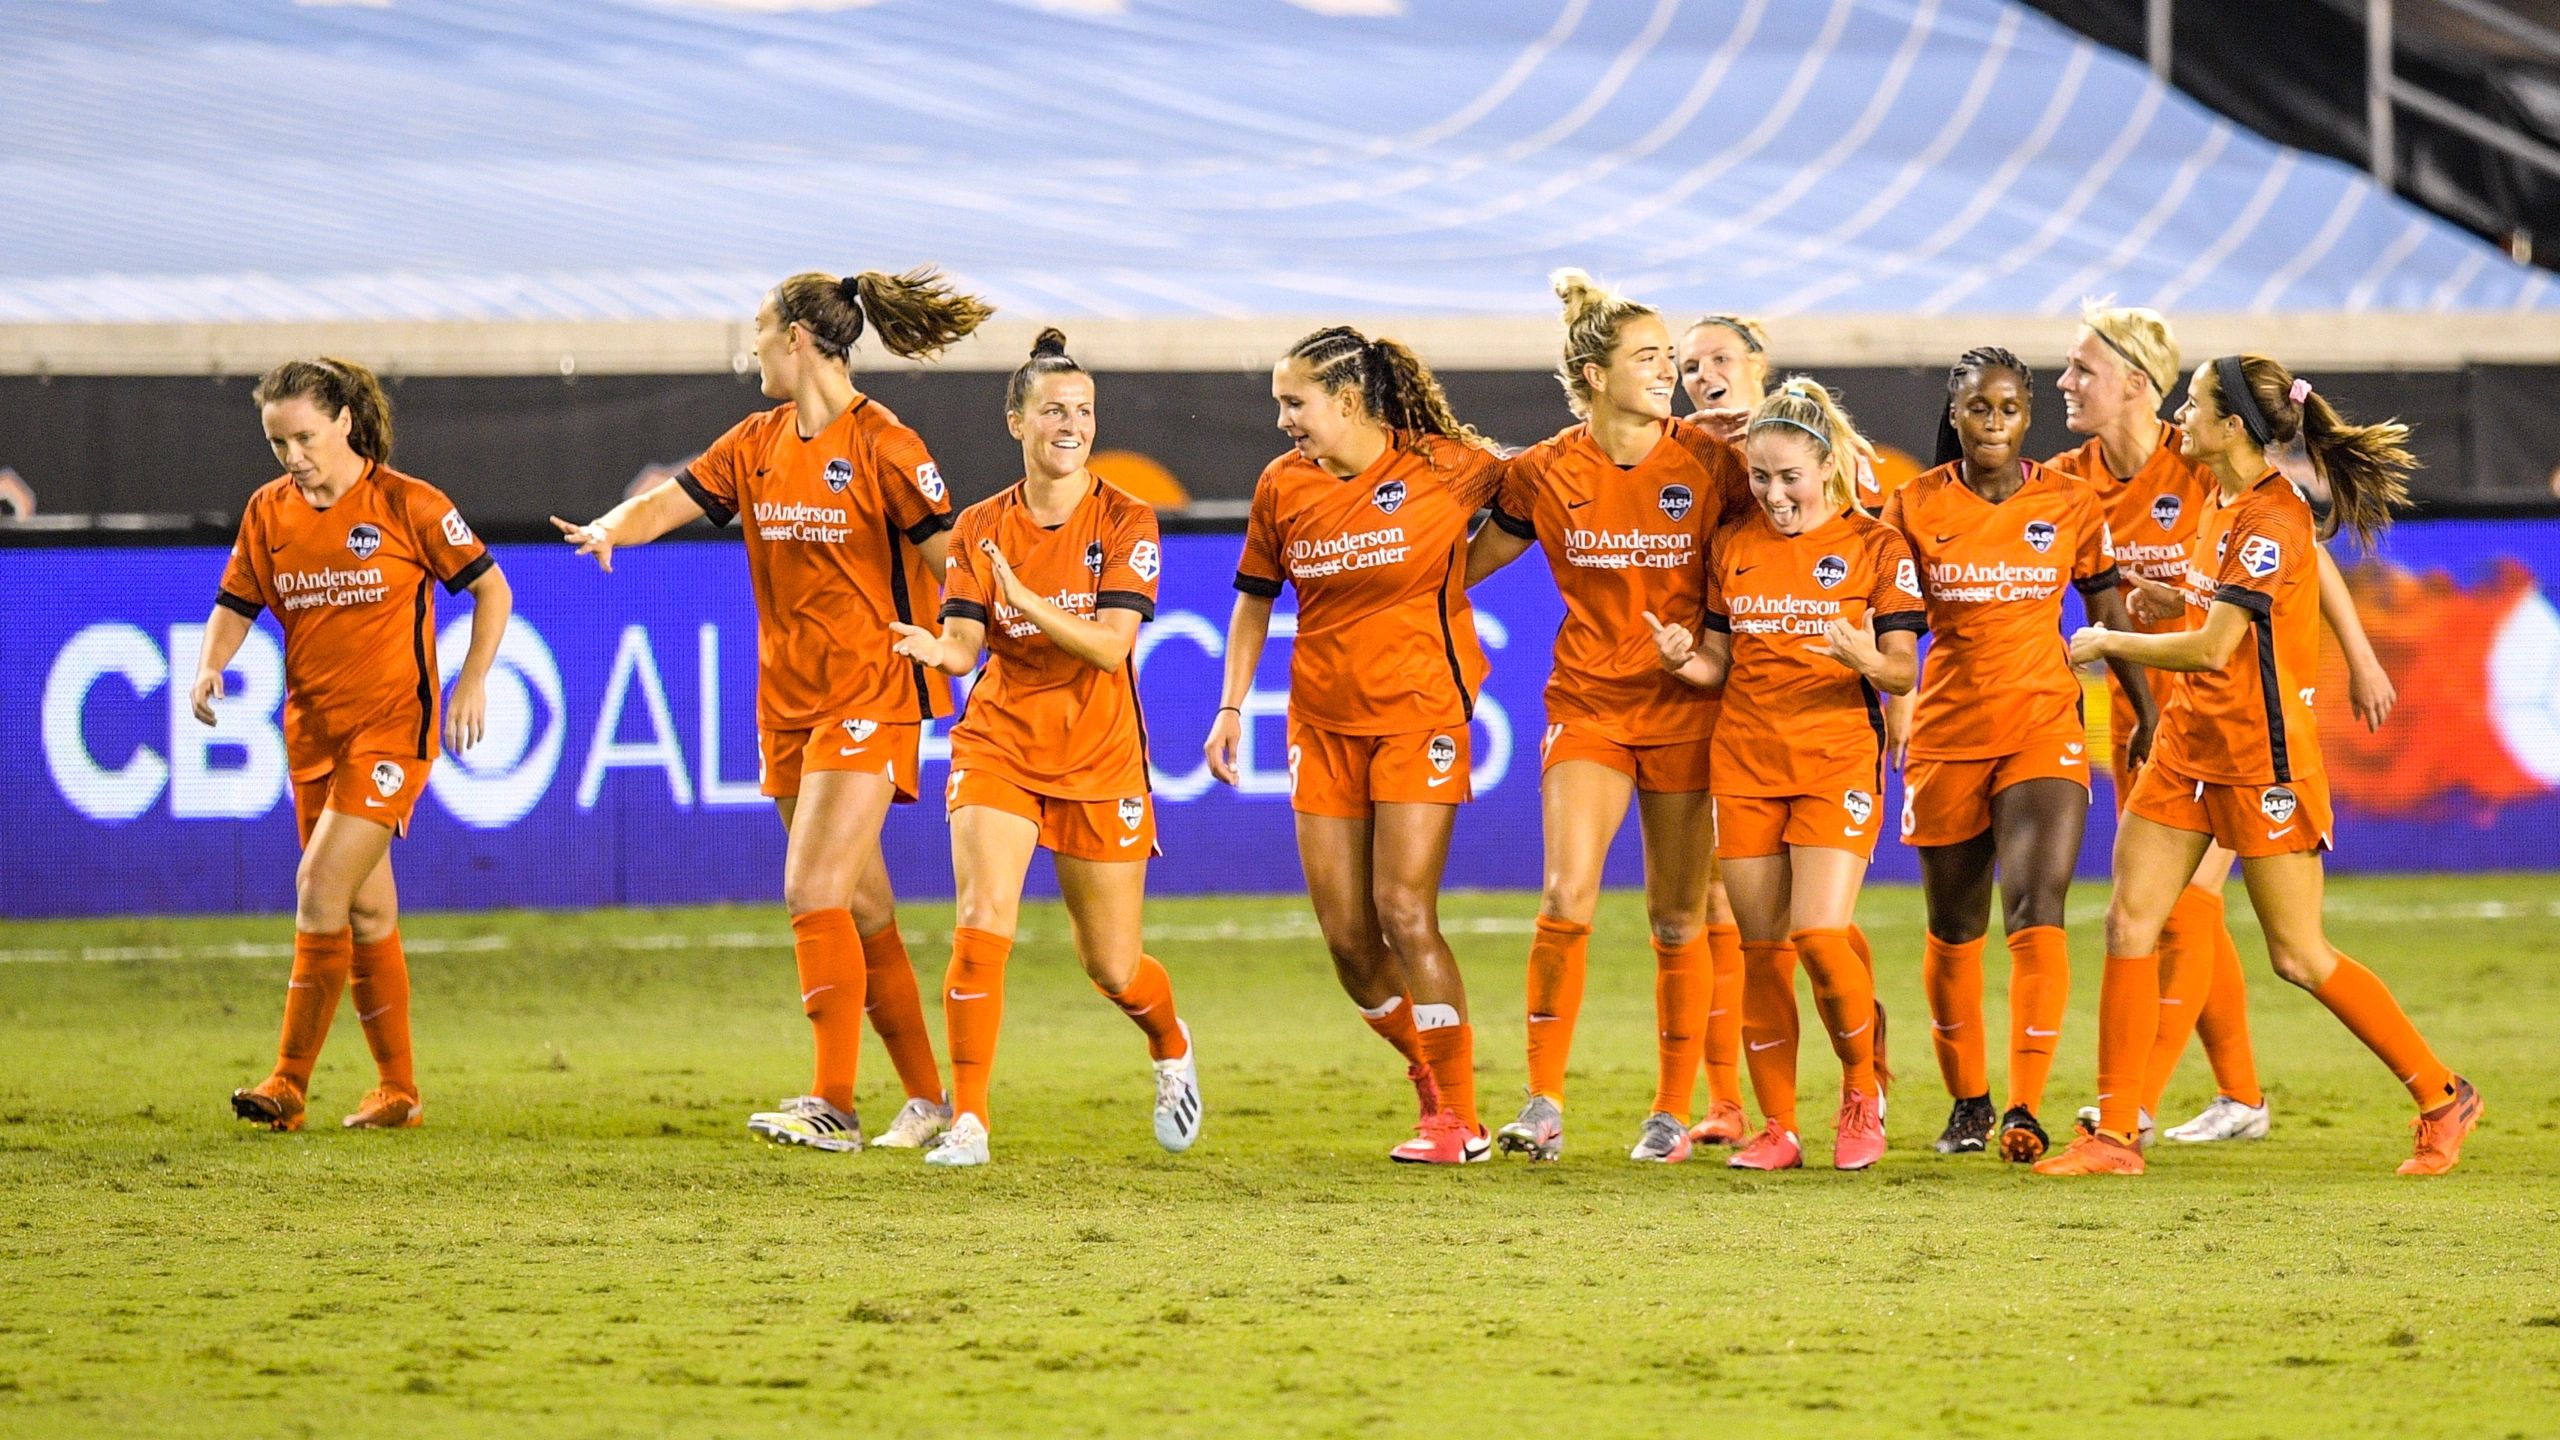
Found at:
[2146, 1131]
[917, 1122]
[1178, 1097]
[965, 1143]
[2224, 1119]
[808, 1120]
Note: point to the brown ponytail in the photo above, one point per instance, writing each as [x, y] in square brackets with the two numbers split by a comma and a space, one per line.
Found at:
[338, 387]
[2366, 467]
[1396, 389]
[917, 314]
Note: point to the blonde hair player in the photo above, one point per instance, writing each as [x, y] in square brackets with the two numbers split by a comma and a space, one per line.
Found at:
[848, 520]
[2116, 380]
[2238, 759]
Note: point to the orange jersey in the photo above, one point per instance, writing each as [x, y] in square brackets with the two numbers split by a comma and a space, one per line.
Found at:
[1039, 717]
[1999, 674]
[1386, 640]
[1622, 541]
[2152, 514]
[349, 584]
[2249, 723]
[833, 523]
[1797, 722]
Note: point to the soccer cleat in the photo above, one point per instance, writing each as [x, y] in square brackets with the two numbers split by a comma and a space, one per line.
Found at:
[1857, 1140]
[1969, 1127]
[1724, 1125]
[811, 1121]
[2224, 1119]
[2146, 1131]
[275, 1103]
[1664, 1141]
[2095, 1153]
[1426, 1090]
[915, 1125]
[1178, 1097]
[964, 1144]
[1441, 1138]
[2022, 1139]
[384, 1108]
[1537, 1131]
[2441, 1130]
[1773, 1148]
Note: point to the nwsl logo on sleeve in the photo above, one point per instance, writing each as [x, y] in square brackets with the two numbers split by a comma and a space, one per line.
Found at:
[2165, 510]
[2260, 556]
[1146, 560]
[929, 480]
[1389, 496]
[2040, 535]
[364, 540]
[1675, 501]
[839, 474]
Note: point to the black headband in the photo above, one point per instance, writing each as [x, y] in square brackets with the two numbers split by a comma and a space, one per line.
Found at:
[2238, 403]
[2127, 356]
[1740, 329]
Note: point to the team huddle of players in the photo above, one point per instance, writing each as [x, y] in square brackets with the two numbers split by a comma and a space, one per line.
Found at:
[1739, 661]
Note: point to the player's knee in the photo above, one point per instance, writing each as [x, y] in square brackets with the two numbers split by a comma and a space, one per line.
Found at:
[2129, 933]
[1569, 899]
[1673, 929]
[372, 923]
[1410, 922]
[2027, 912]
[2307, 967]
[802, 894]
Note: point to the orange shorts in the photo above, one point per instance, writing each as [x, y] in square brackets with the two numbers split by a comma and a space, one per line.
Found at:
[381, 788]
[887, 748]
[1676, 768]
[1947, 802]
[1345, 775]
[1750, 826]
[2249, 820]
[1099, 830]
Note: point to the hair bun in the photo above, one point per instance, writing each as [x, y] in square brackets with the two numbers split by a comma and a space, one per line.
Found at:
[1050, 341]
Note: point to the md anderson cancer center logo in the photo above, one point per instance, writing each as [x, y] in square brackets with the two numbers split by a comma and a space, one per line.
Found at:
[801, 521]
[1358, 550]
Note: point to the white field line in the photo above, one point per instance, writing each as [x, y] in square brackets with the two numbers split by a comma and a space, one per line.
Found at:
[1300, 929]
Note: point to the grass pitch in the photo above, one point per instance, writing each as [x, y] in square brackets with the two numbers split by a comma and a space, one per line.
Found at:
[583, 1240]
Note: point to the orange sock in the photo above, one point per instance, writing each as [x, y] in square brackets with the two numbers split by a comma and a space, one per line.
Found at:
[1683, 976]
[380, 979]
[2363, 1003]
[320, 966]
[1148, 1001]
[1450, 1051]
[2039, 987]
[1769, 1026]
[1558, 959]
[1867, 957]
[1846, 995]
[1952, 975]
[972, 1013]
[2128, 1018]
[2223, 1025]
[896, 1008]
[2186, 978]
[1723, 1047]
[1394, 1025]
[831, 994]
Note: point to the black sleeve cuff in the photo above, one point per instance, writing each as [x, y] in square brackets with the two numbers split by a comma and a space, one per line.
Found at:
[463, 577]
[926, 528]
[1125, 600]
[1721, 624]
[1257, 585]
[2256, 602]
[1512, 525]
[245, 609]
[969, 610]
[1915, 621]
[2099, 583]
[713, 508]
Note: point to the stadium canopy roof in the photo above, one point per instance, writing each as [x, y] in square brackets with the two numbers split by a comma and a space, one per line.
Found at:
[170, 161]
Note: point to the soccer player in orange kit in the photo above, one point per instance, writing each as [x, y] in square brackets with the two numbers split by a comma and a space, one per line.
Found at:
[1050, 580]
[2238, 760]
[2120, 369]
[1624, 504]
[1995, 760]
[1812, 608]
[847, 525]
[343, 549]
[1366, 516]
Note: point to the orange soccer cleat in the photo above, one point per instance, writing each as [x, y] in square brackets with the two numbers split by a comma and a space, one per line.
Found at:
[1858, 1140]
[384, 1108]
[1724, 1125]
[1443, 1139]
[2441, 1131]
[274, 1103]
[1774, 1148]
[2095, 1153]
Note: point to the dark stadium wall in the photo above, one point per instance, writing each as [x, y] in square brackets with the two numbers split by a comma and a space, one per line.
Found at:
[513, 450]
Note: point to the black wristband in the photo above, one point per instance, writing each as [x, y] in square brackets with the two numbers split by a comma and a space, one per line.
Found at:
[1223, 709]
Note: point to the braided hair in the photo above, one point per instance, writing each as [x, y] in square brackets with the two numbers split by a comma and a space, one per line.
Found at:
[1972, 365]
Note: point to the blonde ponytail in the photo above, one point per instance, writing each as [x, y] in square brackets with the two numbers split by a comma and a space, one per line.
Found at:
[1805, 406]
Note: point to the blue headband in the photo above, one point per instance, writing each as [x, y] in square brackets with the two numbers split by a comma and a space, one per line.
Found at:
[1822, 439]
